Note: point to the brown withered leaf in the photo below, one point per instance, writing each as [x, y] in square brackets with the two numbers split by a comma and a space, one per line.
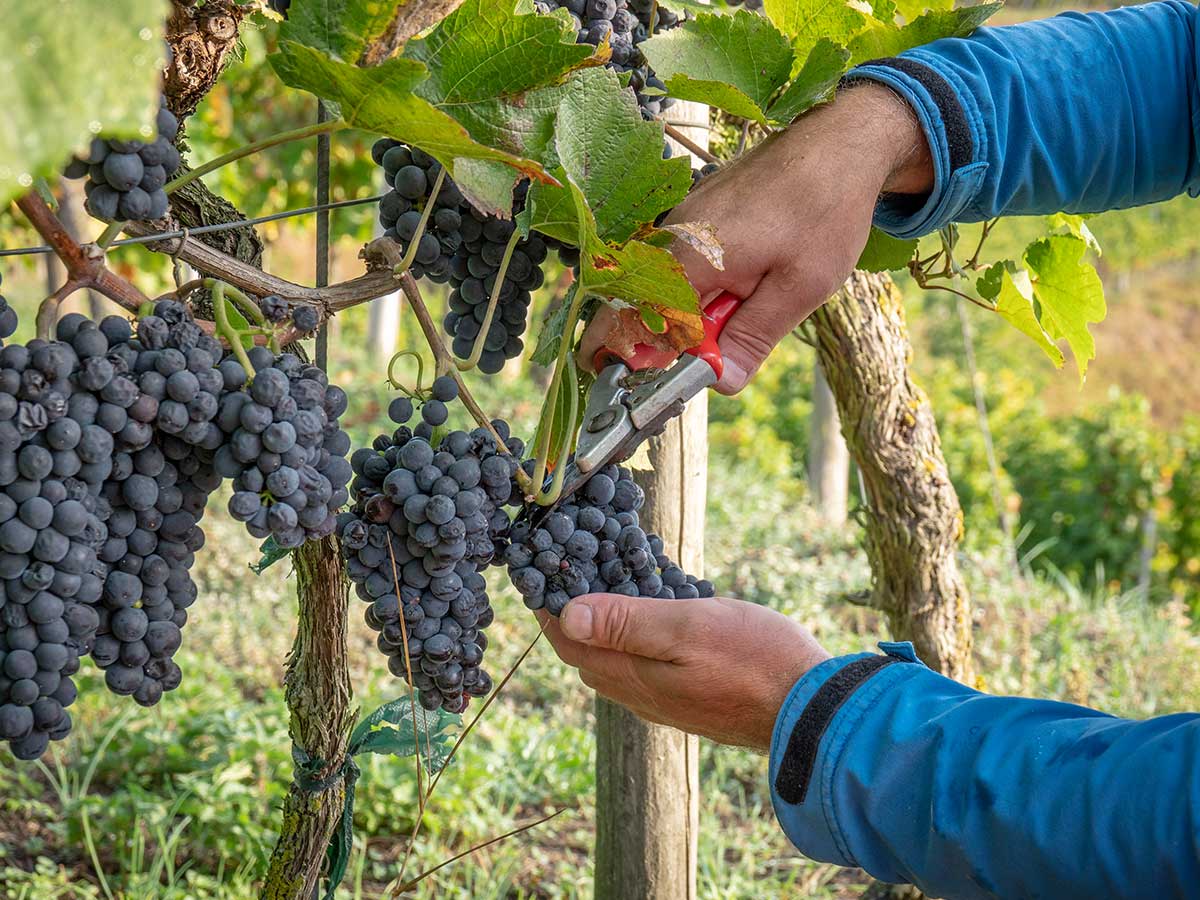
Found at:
[684, 330]
[701, 237]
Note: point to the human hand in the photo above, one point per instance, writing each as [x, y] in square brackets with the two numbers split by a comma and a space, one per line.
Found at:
[793, 216]
[715, 667]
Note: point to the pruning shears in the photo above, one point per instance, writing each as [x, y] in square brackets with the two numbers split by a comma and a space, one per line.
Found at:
[632, 400]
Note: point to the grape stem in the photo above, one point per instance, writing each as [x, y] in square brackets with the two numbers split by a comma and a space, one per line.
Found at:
[444, 362]
[560, 364]
[493, 302]
[412, 883]
[412, 839]
[224, 328]
[296, 134]
[47, 313]
[566, 419]
[84, 263]
[414, 244]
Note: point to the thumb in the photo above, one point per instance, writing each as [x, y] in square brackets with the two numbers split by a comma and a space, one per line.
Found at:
[644, 626]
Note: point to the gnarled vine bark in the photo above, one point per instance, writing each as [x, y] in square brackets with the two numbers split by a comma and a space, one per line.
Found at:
[913, 520]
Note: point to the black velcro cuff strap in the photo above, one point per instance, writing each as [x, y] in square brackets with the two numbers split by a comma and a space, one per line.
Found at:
[956, 129]
[796, 766]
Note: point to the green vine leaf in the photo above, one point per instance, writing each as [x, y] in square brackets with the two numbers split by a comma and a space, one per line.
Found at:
[484, 50]
[642, 275]
[555, 323]
[885, 253]
[1012, 292]
[735, 63]
[1069, 293]
[381, 99]
[53, 101]
[807, 22]
[389, 730]
[882, 39]
[815, 82]
[339, 28]
[1076, 225]
[615, 157]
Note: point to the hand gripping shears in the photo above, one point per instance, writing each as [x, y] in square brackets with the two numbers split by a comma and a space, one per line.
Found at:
[631, 400]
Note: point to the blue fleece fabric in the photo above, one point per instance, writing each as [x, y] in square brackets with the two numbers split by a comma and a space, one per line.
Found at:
[1077, 113]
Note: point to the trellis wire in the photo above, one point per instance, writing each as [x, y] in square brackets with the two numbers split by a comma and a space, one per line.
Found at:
[210, 229]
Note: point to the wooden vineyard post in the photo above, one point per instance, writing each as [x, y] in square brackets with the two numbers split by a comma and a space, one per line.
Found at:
[648, 776]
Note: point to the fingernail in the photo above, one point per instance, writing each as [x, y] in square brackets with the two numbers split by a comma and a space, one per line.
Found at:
[733, 378]
[577, 621]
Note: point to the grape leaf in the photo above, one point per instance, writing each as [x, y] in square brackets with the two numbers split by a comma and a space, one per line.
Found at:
[640, 274]
[881, 39]
[553, 325]
[381, 99]
[806, 22]
[1069, 292]
[1012, 291]
[885, 253]
[53, 100]
[735, 63]
[339, 28]
[483, 50]
[813, 84]
[500, 75]
[615, 156]
[562, 212]
[1076, 225]
[911, 9]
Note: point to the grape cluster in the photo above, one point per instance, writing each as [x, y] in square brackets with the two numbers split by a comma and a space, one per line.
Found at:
[410, 173]
[125, 179]
[109, 443]
[464, 247]
[8, 319]
[473, 273]
[626, 23]
[97, 526]
[282, 446]
[594, 544]
[426, 521]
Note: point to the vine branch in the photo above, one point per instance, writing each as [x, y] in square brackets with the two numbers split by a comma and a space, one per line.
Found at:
[688, 144]
[84, 263]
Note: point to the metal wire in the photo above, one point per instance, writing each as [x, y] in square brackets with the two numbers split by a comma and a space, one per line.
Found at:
[210, 229]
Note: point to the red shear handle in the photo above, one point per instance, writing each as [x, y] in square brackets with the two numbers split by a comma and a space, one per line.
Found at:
[644, 356]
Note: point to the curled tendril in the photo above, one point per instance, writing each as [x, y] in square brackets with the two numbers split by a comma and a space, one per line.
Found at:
[416, 393]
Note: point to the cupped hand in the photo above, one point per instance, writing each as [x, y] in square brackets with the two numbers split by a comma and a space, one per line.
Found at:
[715, 667]
[792, 217]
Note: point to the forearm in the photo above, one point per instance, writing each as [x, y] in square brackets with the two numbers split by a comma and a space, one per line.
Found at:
[1080, 113]
[918, 779]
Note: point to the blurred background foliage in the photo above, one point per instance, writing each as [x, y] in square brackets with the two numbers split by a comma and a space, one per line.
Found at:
[1100, 486]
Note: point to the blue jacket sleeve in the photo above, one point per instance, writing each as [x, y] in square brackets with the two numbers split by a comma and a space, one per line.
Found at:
[878, 762]
[1076, 113]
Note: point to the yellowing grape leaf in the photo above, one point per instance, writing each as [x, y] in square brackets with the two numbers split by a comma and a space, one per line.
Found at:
[1011, 290]
[1069, 293]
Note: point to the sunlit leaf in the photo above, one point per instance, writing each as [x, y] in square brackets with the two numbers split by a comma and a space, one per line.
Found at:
[1069, 293]
[814, 83]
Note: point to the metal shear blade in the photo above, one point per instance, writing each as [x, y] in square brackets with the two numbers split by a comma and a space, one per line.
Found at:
[620, 416]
